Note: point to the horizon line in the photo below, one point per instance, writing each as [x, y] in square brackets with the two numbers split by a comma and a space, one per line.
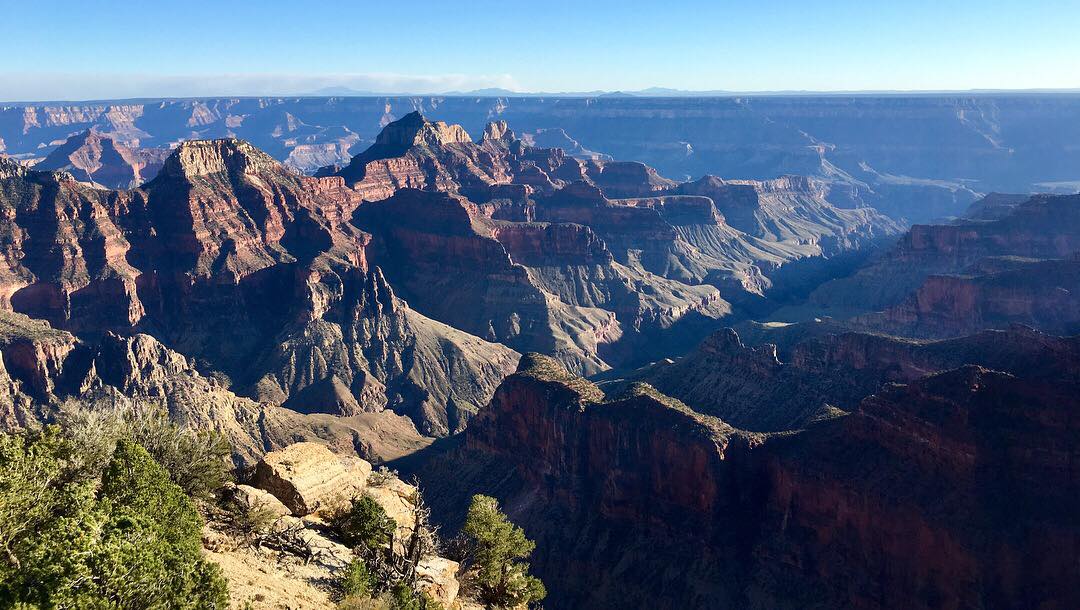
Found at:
[650, 92]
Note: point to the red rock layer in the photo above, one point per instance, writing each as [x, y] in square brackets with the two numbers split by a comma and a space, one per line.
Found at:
[230, 257]
[1042, 294]
[957, 490]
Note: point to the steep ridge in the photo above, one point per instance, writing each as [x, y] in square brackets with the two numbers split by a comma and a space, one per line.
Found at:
[371, 351]
[229, 257]
[954, 488]
[948, 492]
[97, 158]
[445, 257]
[607, 488]
[757, 388]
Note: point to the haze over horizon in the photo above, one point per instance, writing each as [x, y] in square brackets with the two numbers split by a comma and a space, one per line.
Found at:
[272, 48]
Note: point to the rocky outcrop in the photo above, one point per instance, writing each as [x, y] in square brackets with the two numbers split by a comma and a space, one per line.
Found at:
[252, 498]
[297, 558]
[625, 179]
[307, 476]
[32, 359]
[231, 258]
[437, 576]
[45, 372]
[994, 293]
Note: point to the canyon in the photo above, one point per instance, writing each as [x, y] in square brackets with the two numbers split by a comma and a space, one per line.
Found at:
[918, 157]
[693, 346]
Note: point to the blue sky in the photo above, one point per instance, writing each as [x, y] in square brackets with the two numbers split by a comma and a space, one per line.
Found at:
[83, 50]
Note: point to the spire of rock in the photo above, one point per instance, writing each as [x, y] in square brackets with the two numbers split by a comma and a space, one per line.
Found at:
[499, 131]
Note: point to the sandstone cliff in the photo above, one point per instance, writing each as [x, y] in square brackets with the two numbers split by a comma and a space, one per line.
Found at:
[1043, 227]
[232, 259]
[949, 491]
[758, 388]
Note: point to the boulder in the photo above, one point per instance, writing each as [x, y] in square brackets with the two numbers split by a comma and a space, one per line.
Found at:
[308, 476]
[437, 576]
[251, 497]
[396, 497]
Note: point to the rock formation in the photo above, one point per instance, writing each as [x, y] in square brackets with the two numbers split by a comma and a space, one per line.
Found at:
[951, 489]
[758, 388]
[99, 159]
[232, 259]
[307, 476]
[953, 278]
[303, 484]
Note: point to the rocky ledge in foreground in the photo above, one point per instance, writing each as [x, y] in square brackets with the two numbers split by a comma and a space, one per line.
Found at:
[296, 558]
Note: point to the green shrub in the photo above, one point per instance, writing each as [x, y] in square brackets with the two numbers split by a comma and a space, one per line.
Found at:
[365, 523]
[357, 580]
[130, 540]
[196, 460]
[404, 597]
[248, 521]
[496, 548]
